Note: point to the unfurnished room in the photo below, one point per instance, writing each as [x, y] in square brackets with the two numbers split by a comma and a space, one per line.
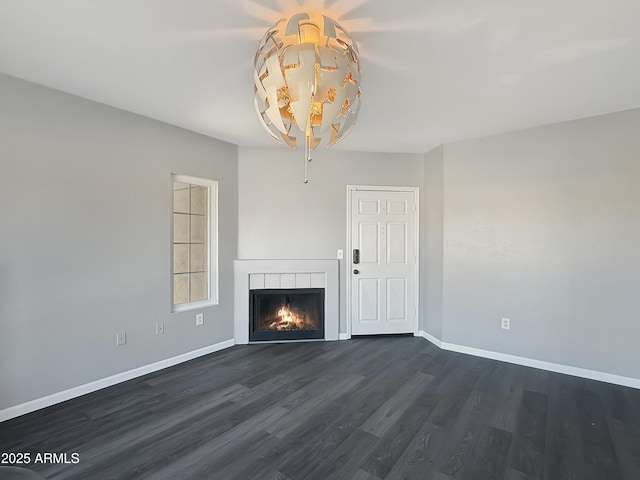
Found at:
[319, 239]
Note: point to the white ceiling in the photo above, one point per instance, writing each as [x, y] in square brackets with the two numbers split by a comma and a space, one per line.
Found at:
[433, 71]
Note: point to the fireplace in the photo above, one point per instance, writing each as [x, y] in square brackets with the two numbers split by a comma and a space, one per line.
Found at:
[286, 314]
[285, 274]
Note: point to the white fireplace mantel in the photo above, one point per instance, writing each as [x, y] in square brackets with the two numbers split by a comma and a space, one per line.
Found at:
[286, 274]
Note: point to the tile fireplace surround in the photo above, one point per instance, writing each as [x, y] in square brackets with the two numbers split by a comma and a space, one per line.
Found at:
[267, 274]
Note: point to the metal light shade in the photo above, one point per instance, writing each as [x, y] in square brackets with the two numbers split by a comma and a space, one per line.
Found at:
[307, 82]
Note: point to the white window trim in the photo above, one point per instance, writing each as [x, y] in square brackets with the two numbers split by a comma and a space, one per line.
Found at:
[213, 243]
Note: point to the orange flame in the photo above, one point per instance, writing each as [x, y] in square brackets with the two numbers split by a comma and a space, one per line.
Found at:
[289, 320]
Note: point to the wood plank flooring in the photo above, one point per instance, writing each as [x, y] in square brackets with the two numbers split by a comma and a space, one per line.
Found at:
[366, 409]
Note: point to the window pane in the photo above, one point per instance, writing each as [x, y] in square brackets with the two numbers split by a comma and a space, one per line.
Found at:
[180, 258]
[198, 229]
[199, 258]
[180, 228]
[180, 288]
[181, 200]
[199, 197]
[199, 287]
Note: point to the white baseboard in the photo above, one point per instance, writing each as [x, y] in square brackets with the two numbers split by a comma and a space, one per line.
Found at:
[345, 336]
[80, 390]
[530, 362]
[431, 338]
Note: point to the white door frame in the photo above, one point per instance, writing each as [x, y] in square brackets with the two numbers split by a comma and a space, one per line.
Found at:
[348, 258]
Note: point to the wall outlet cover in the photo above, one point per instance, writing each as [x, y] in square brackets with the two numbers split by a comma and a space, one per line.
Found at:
[506, 323]
[199, 318]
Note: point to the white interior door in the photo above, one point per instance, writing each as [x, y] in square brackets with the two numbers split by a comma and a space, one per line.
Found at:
[383, 279]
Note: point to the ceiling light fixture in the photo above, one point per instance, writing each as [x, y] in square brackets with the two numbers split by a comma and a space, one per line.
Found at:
[307, 82]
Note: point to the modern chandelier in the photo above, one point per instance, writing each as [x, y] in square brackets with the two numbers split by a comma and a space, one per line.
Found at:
[307, 82]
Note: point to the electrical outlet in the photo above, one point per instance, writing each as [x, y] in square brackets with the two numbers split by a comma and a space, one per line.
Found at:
[340, 254]
[199, 318]
[159, 328]
[121, 337]
[506, 323]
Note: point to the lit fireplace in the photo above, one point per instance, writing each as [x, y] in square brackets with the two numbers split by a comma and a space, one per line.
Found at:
[280, 314]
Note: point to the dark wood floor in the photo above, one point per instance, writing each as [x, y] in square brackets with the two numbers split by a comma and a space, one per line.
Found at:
[370, 408]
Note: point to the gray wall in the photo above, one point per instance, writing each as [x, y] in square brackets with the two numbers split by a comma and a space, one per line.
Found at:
[543, 226]
[431, 236]
[84, 240]
[282, 218]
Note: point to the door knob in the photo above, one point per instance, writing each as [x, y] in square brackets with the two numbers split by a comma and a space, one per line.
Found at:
[356, 272]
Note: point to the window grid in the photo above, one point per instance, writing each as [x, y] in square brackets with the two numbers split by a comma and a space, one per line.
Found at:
[190, 243]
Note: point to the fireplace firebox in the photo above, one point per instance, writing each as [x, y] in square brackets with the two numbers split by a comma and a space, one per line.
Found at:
[286, 314]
